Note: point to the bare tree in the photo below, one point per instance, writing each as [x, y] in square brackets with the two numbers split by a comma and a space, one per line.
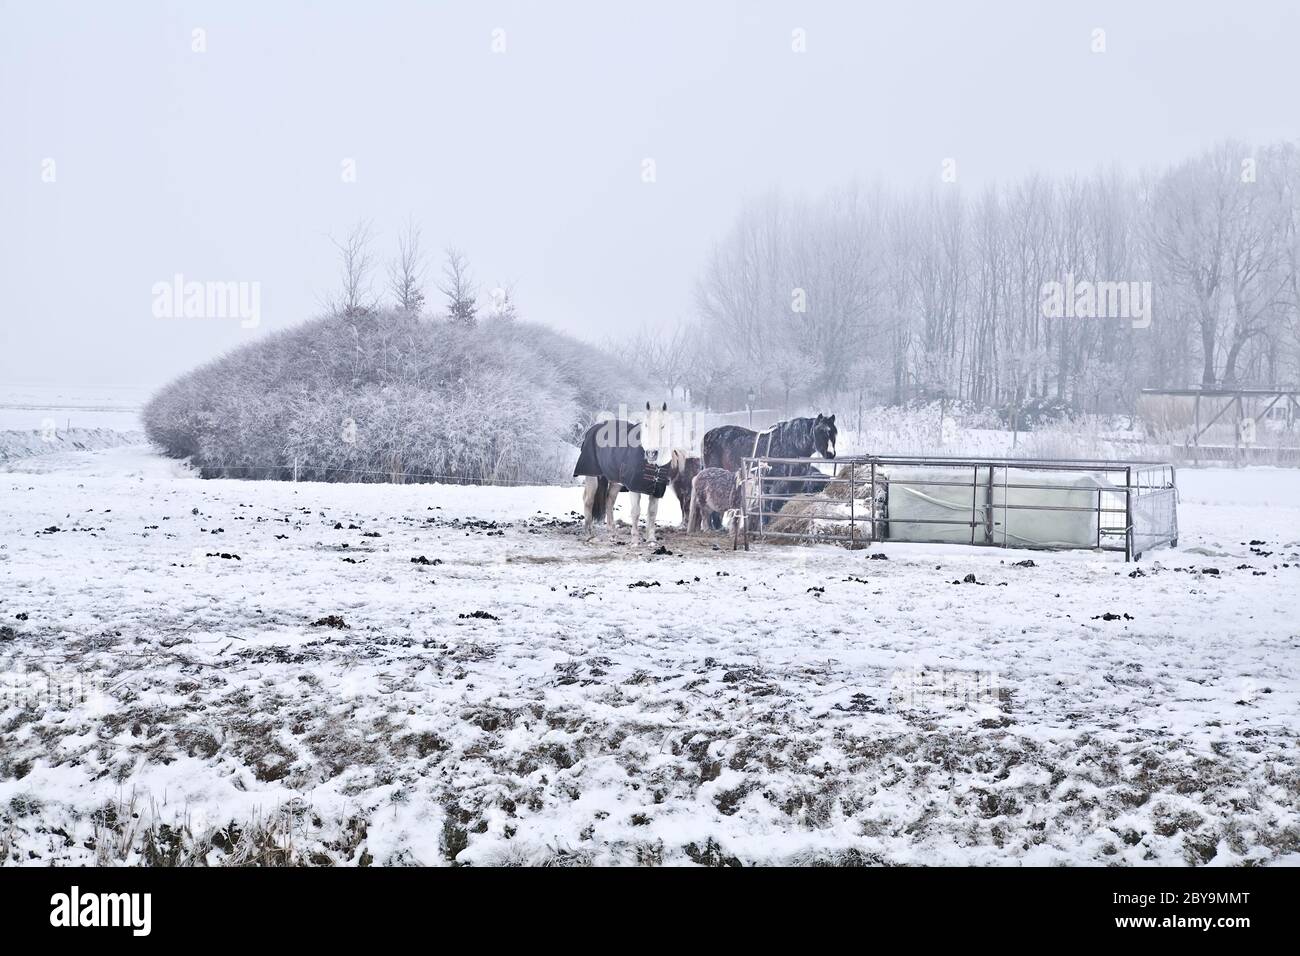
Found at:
[747, 282]
[458, 287]
[406, 273]
[1258, 263]
[1194, 205]
[355, 265]
[674, 350]
[709, 369]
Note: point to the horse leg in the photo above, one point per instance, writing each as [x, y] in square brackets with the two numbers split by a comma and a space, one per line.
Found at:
[693, 518]
[684, 502]
[610, 500]
[712, 518]
[588, 506]
[636, 518]
[652, 509]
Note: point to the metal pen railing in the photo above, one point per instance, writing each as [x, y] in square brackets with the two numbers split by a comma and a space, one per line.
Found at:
[1134, 505]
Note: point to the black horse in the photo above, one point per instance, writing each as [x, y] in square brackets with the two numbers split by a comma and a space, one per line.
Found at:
[616, 455]
[726, 445]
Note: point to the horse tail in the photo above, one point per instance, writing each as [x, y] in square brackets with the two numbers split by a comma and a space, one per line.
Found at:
[601, 499]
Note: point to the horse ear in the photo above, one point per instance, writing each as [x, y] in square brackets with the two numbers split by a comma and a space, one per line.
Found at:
[831, 419]
[647, 406]
[665, 408]
[820, 418]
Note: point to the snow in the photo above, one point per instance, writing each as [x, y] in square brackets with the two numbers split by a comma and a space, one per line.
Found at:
[51, 419]
[15, 444]
[161, 702]
[114, 407]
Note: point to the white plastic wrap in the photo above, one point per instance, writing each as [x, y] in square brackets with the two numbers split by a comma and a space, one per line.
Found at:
[916, 509]
[1064, 528]
[1019, 520]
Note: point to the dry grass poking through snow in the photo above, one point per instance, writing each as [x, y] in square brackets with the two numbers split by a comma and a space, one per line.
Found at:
[321, 696]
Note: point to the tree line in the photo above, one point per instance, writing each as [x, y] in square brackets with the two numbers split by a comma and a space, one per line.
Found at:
[940, 293]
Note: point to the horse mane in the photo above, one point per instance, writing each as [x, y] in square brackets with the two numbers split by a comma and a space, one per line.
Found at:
[792, 430]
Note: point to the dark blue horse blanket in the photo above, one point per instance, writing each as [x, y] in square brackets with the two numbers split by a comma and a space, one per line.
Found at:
[612, 450]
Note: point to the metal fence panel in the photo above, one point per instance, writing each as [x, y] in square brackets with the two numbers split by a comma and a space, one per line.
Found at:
[1042, 504]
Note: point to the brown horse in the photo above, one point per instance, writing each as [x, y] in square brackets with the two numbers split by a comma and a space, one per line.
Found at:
[684, 471]
[714, 491]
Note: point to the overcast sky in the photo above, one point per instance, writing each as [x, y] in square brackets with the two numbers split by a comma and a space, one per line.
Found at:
[228, 164]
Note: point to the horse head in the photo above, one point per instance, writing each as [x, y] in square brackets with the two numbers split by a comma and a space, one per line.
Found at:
[657, 434]
[824, 433]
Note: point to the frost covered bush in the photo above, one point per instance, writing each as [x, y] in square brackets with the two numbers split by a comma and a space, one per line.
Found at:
[392, 397]
[1037, 413]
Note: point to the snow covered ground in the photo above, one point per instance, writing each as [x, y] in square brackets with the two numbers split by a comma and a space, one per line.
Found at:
[115, 407]
[50, 419]
[222, 671]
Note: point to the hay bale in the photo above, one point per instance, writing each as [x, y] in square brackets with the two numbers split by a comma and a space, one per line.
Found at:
[821, 518]
[798, 514]
[824, 516]
[838, 487]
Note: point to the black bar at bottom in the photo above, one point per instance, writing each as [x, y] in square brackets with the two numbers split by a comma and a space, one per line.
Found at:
[1220, 907]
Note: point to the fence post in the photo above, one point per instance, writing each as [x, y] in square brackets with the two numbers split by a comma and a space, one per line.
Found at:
[873, 501]
[744, 501]
[853, 519]
[989, 537]
[1128, 514]
[974, 499]
[1236, 438]
[1173, 483]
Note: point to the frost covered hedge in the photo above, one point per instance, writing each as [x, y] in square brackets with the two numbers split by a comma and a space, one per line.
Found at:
[392, 397]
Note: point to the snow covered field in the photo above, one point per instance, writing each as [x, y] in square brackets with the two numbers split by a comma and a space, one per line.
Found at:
[50, 419]
[222, 671]
[115, 407]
